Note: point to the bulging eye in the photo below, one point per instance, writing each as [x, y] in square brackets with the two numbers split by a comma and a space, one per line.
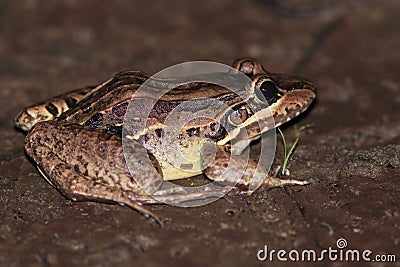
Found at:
[238, 116]
[269, 91]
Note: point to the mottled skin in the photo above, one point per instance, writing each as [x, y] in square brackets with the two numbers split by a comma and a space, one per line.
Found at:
[75, 139]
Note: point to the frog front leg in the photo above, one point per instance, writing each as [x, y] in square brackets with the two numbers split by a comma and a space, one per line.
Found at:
[236, 170]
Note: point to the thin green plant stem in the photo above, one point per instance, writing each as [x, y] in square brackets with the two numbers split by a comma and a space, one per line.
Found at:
[291, 150]
[286, 155]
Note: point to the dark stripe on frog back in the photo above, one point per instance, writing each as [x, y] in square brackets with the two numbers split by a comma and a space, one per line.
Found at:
[121, 82]
[106, 105]
[127, 83]
[181, 93]
[101, 100]
[128, 80]
[114, 110]
[201, 90]
[163, 107]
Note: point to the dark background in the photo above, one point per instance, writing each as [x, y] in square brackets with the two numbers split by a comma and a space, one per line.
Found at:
[349, 49]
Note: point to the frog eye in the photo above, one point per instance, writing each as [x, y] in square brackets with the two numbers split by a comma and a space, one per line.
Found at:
[238, 116]
[268, 90]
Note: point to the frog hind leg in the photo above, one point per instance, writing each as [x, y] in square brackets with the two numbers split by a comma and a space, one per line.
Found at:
[61, 159]
[79, 188]
[243, 173]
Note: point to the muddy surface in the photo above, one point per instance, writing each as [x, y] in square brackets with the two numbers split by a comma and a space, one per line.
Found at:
[349, 49]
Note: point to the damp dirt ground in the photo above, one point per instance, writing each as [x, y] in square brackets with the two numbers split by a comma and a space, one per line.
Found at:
[349, 49]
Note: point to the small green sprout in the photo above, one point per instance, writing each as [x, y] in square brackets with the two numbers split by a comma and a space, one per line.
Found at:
[287, 155]
[328, 226]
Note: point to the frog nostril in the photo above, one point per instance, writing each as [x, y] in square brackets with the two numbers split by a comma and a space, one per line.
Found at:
[297, 85]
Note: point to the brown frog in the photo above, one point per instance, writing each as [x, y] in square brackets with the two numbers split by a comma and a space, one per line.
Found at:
[75, 138]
